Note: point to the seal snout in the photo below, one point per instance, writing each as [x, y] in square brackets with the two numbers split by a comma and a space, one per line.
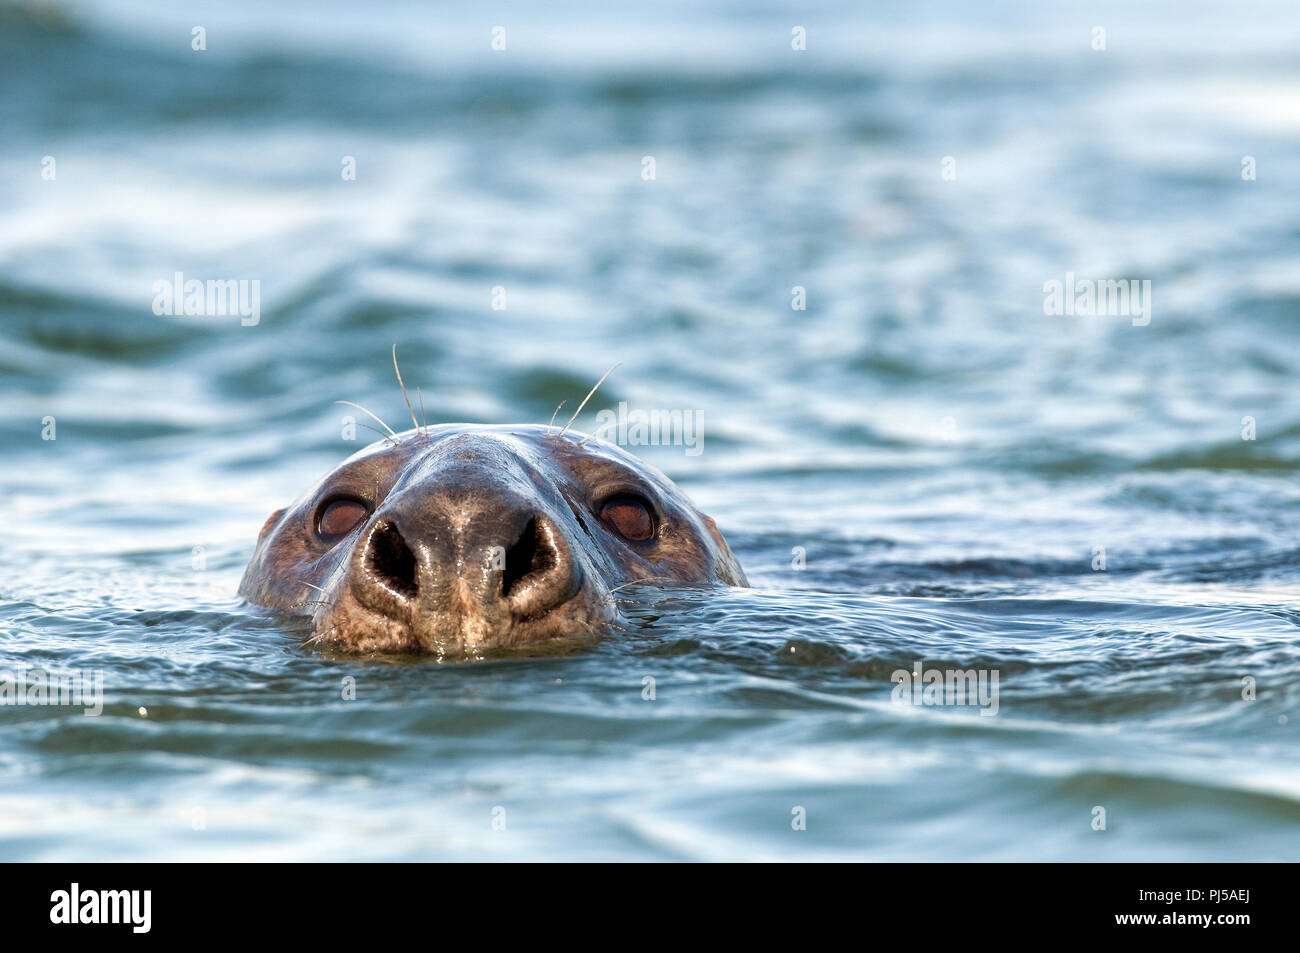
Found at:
[473, 569]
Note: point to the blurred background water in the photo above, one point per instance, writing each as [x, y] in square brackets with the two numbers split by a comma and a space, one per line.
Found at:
[948, 458]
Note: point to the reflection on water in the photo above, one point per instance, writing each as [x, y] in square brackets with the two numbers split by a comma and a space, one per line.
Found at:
[918, 466]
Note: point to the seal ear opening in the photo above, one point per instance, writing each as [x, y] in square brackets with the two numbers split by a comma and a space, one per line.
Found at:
[270, 521]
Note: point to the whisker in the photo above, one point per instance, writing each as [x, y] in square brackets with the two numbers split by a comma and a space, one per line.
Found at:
[636, 582]
[320, 635]
[364, 410]
[406, 397]
[306, 583]
[552, 423]
[422, 416]
[378, 431]
[587, 398]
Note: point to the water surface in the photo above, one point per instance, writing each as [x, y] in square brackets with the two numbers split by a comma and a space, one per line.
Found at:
[919, 466]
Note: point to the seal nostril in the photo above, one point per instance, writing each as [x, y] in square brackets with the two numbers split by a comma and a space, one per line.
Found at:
[392, 561]
[530, 554]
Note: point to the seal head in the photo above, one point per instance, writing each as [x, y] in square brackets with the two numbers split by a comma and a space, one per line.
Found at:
[461, 539]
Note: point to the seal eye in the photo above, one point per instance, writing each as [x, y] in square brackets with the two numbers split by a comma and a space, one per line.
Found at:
[340, 517]
[629, 516]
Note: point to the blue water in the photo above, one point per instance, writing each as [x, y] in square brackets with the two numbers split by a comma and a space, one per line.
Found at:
[948, 459]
